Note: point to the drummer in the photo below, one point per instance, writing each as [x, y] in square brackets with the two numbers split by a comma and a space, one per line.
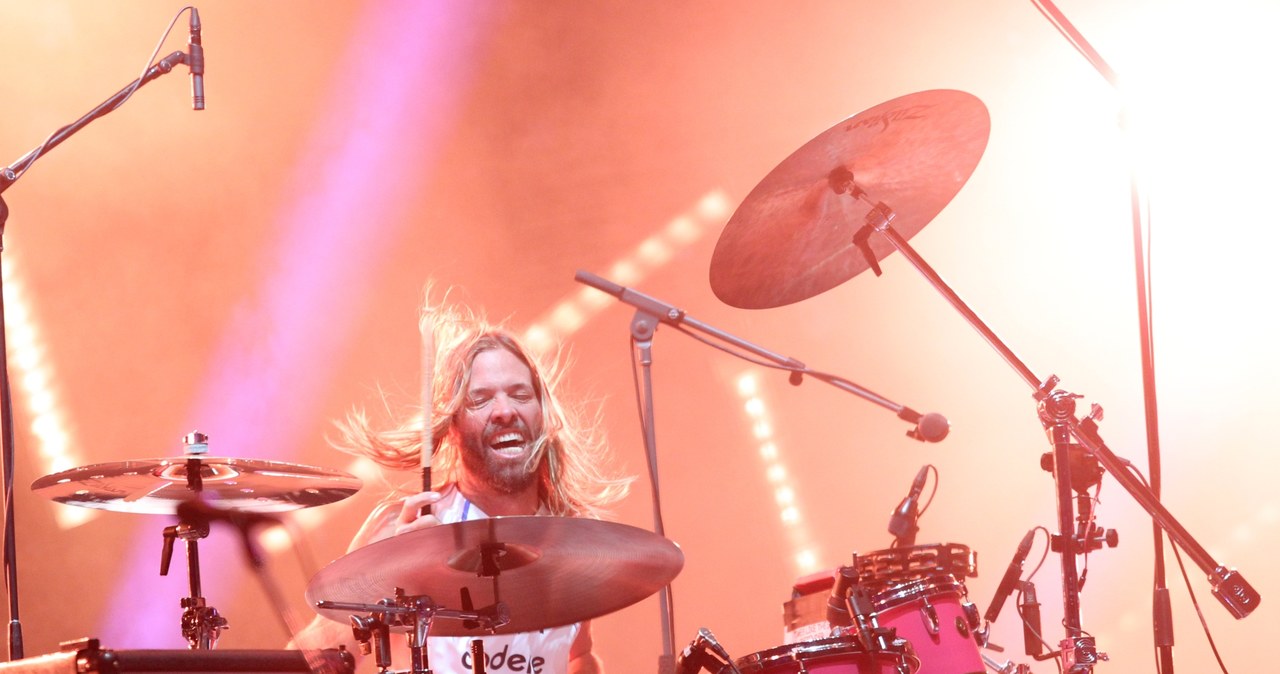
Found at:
[504, 445]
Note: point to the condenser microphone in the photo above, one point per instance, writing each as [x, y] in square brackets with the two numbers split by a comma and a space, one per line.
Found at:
[903, 523]
[1029, 608]
[1010, 579]
[195, 61]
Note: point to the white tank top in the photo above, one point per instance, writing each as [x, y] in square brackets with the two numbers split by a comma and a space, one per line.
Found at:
[542, 652]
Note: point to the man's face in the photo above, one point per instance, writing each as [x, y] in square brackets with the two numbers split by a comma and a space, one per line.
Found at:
[500, 419]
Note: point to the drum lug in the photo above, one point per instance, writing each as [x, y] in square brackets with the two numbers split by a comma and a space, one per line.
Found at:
[930, 616]
[971, 614]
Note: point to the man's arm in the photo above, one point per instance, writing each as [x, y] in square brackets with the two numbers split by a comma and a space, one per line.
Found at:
[581, 659]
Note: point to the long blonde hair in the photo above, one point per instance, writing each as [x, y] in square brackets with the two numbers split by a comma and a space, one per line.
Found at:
[568, 454]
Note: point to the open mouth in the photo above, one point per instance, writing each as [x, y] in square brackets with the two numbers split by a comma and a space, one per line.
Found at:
[508, 442]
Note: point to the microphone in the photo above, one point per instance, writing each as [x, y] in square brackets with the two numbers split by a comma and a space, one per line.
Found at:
[198, 512]
[837, 605]
[903, 524]
[196, 62]
[1011, 576]
[932, 427]
[694, 657]
[706, 635]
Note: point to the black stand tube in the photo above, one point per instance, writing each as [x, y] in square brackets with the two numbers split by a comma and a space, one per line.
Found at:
[1162, 619]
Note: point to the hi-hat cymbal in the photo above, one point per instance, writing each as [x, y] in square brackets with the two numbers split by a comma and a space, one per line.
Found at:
[792, 237]
[553, 571]
[158, 486]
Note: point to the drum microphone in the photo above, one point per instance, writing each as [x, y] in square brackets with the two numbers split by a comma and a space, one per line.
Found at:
[1029, 609]
[837, 602]
[1010, 579]
[195, 60]
[695, 657]
[903, 523]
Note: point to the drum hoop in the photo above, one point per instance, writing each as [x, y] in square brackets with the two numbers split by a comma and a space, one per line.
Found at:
[924, 587]
[821, 649]
[898, 564]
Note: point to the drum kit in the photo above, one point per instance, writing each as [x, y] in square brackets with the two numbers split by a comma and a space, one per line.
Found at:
[833, 209]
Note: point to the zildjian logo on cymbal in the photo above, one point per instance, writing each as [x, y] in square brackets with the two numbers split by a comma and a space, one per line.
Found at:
[913, 112]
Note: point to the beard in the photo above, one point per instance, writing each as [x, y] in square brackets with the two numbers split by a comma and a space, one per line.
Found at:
[497, 472]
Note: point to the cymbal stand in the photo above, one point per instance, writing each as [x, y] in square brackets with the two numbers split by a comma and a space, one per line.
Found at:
[416, 612]
[1057, 414]
[201, 624]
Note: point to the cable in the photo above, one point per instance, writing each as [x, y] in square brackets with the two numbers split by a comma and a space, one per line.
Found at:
[30, 158]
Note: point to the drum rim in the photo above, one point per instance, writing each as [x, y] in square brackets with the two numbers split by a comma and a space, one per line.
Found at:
[819, 649]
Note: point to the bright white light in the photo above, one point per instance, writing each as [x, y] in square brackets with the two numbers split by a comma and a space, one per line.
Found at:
[683, 231]
[714, 205]
[769, 451]
[34, 375]
[653, 252]
[624, 272]
[566, 319]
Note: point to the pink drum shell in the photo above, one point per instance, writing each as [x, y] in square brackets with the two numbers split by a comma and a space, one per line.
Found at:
[952, 649]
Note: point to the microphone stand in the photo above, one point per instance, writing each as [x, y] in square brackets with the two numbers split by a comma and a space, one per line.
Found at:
[8, 176]
[643, 327]
[1057, 413]
[649, 313]
[1162, 615]
[662, 312]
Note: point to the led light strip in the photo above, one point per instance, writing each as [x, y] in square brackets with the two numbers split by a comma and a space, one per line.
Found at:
[569, 314]
[805, 556]
[35, 379]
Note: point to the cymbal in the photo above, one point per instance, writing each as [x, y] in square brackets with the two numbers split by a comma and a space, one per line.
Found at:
[792, 237]
[553, 570]
[157, 486]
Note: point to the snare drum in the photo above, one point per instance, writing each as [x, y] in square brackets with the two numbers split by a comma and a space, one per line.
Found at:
[936, 617]
[829, 656]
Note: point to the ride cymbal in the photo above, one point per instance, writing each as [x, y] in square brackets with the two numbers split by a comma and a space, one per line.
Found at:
[548, 571]
[793, 236]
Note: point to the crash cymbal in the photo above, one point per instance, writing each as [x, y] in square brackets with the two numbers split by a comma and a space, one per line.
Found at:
[792, 237]
[552, 571]
[157, 486]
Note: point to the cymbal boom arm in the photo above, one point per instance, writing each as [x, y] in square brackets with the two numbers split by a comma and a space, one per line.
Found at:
[1231, 589]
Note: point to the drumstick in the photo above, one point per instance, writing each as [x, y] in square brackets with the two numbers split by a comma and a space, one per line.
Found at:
[428, 329]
